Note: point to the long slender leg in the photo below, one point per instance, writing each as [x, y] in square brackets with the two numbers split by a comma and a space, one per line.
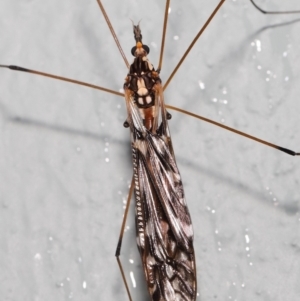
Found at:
[290, 152]
[193, 43]
[163, 38]
[17, 68]
[74, 81]
[113, 33]
[118, 249]
[202, 30]
[280, 148]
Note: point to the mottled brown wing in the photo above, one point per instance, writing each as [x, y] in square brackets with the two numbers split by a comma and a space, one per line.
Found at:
[163, 223]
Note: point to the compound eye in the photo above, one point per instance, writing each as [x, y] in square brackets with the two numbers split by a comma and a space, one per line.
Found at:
[133, 49]
[146, 48]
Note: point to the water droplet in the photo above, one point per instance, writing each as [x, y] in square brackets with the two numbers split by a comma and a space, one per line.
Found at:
[154, 45]
[201, 85]
[132, 279]
[247, 238]
[258, 45]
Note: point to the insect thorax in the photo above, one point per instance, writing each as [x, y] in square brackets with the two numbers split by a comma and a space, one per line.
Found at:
[142, 81]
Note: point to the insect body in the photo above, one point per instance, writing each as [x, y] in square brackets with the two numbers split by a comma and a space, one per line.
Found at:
[163, 223]
[61, 181]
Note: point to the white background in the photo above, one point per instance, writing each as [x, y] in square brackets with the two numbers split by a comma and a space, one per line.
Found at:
[61, 202]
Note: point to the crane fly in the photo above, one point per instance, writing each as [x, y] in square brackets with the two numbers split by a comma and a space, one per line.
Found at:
[245, 200]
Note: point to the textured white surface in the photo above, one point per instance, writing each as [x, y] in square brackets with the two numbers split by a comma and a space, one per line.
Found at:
[61, 203]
